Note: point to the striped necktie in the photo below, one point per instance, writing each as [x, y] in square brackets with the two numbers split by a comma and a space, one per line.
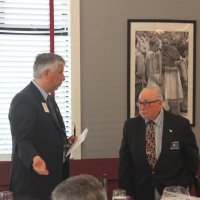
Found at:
[150, 144]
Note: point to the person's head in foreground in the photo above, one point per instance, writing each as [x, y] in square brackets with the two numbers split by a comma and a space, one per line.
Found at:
[80, 187]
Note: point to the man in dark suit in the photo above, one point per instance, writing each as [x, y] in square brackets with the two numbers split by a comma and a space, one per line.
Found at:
[38, 133]
[175, 148]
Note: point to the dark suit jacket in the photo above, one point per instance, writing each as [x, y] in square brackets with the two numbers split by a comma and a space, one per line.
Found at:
[35, 132]
[174, 167]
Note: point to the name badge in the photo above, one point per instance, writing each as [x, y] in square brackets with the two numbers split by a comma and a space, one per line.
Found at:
[174, 145]
[44, 105]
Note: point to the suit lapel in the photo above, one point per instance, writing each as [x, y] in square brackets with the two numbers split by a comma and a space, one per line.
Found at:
[60, 122]
[167, 136]
[40, 99]
[141, 136]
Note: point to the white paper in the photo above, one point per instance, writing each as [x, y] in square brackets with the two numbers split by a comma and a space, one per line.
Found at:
[80, 139]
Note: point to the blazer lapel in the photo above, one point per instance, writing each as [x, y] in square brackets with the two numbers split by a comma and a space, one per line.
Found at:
[167, 134]
[140, 136]
[40, 99]
[59, 120]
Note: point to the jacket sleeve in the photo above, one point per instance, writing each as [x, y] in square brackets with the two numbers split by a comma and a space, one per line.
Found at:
[125, 165]
[22, 121]
[190, 153]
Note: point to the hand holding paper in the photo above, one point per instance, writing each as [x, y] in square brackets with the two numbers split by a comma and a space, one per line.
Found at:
[79, 140]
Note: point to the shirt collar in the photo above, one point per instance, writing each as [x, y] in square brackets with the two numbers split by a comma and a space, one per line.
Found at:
[158, 120]
[42, 91]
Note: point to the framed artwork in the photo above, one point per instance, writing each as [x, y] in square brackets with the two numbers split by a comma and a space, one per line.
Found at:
[161, 53]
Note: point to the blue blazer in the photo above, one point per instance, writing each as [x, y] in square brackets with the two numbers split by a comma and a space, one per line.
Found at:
[35, 132]
[176, 165]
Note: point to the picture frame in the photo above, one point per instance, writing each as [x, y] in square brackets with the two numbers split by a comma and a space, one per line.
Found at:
[161, 53]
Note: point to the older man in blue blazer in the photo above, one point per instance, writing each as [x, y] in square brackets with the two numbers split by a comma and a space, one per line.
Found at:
[176, 151]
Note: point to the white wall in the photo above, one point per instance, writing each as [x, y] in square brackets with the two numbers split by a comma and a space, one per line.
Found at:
[103, 39]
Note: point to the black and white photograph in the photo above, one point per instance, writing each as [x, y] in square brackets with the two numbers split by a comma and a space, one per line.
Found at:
[161, 53]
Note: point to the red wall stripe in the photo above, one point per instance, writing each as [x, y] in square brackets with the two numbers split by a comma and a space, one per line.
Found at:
[51, 28]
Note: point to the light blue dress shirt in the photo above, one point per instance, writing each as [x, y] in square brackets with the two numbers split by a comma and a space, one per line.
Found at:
[158, 132]
[42, 91]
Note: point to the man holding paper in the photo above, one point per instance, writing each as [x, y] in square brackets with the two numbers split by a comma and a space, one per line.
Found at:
[40, 145]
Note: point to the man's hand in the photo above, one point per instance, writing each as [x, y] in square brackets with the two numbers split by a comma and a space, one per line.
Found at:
[39, 166]
[72, 139]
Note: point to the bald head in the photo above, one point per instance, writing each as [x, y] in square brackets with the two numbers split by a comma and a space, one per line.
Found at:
[150, 102]
[152, 93]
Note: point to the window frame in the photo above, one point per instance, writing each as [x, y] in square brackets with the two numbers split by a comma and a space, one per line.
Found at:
[75, 73]
[75, 70]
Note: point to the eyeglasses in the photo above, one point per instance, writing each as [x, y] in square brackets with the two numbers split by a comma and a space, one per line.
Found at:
[146, 104]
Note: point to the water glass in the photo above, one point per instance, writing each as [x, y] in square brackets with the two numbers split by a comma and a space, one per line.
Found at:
[6, 195]
[119, 194]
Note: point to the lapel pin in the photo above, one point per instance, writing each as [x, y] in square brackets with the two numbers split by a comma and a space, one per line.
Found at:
[170, 130]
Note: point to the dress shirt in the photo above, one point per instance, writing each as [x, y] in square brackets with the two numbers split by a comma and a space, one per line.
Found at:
[158, 132]
[42, 91]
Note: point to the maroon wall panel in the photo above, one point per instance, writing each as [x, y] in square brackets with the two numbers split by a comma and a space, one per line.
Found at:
[98, 167]
[4, 175]
[95, 167]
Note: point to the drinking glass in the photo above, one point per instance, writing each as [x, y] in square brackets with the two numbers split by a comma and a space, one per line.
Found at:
[119, 194]
[6, 195]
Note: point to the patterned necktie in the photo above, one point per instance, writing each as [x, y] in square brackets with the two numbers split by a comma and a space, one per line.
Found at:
[150, 144]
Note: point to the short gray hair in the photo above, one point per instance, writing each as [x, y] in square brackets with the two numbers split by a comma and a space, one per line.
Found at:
[80, 187]
[157, 91]
[44, 61]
